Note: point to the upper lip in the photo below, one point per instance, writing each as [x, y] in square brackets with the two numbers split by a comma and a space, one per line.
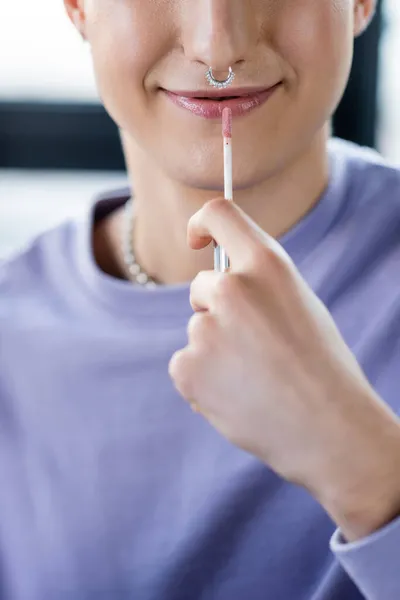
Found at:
[222, 93]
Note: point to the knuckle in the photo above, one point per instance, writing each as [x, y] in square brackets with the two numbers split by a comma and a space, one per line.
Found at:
[195, 326]
[199, 280]
[201, 329]
[226, 289]
[180, 371]
[174, 366]
[217, 205]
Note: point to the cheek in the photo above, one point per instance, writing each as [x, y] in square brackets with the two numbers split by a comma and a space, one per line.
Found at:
[316, 40]
[127, 39]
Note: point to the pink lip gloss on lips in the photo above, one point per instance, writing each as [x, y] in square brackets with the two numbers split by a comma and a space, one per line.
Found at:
[240, 101]
[221, 260]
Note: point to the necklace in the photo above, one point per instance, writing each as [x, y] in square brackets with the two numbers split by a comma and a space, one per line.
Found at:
[136, 273]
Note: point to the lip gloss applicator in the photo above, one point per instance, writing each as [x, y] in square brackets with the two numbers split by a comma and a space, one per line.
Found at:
[221, 260]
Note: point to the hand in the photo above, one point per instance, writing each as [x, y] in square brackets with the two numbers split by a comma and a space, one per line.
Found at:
[268, 368]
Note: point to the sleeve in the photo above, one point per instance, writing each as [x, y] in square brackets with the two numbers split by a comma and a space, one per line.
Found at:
[373, 563]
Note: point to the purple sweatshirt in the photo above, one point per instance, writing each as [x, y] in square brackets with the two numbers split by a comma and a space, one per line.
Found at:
[112, 488]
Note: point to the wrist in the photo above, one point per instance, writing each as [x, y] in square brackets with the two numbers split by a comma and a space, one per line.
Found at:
[359, 516]
[361, 492]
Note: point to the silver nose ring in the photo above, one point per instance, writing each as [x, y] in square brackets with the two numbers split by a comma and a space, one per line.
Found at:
[216, 82]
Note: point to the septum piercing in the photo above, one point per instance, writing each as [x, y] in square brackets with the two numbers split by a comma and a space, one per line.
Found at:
[217, 83]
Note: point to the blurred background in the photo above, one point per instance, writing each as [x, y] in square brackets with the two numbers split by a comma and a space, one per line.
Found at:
[58, 147]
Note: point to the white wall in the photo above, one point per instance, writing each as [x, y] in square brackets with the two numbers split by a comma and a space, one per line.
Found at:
[41, 54]
[31, 202]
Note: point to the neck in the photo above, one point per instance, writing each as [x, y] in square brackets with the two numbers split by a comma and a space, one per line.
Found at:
[163, 208]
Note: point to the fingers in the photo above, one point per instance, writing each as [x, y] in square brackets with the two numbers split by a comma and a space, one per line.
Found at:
[203, 290]
[181, 367]
[223, 221]
[186, 365]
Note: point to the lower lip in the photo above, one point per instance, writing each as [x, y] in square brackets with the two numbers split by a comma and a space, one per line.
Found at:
[212, 109]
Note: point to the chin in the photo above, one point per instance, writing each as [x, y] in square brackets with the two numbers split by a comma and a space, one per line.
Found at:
[214, 182]
[197, 163]
[206, 173]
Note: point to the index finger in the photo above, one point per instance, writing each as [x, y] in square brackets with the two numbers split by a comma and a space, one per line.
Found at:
[226, 223]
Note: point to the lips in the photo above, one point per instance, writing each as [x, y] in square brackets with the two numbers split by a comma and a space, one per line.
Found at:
[217, 99]
[211, 105]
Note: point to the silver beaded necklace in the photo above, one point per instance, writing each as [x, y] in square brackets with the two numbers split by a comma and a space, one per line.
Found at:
[136, 274]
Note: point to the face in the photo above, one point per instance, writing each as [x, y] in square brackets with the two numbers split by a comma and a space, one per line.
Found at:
[143, 50]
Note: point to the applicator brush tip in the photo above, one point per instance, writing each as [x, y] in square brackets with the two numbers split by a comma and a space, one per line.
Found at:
[227, 122]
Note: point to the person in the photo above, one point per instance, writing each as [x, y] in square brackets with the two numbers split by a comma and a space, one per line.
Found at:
[283, 481]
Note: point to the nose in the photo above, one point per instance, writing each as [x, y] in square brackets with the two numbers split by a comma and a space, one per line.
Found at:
[219, 33]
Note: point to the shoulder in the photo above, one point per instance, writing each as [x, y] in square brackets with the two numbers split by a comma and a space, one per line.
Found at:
[366, 170]
[369, 186]
[367, 225]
